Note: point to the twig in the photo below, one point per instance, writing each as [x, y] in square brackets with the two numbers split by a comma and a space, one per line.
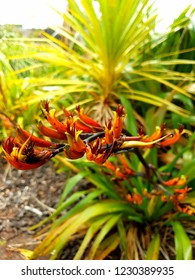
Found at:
[33, 210]
[51, 210]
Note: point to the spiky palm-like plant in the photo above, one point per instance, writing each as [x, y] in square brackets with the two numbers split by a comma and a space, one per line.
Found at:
[109, 49]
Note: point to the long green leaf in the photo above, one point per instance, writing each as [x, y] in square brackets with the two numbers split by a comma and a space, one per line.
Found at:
[93, 229]
[131, 122]
[108, 245]
[103, 232]
[60, 235]
[183, 245]
[70, 184]
[153, 248]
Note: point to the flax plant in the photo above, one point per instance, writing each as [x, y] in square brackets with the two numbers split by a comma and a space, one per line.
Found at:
[141, 203]
[134, 206]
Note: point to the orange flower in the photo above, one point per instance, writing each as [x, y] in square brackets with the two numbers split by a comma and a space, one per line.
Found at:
[108, 129]
[49, 114]
[24, 135]
[24, 156]
[188, 209]
[81, 134]
[95, 126]
[178, 199]
[155, 136]
[71, 153]
[95, 152]
[110, 166]
[175, 138]
[116, 170]
[98, 158]
[76, 147]
[135, 198]
[79, 125]
[51, 133]
[182, 191]
[179, 181]
[119, 116]
[127, 169]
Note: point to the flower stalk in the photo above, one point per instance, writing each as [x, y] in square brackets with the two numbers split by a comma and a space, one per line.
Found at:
[81, 135]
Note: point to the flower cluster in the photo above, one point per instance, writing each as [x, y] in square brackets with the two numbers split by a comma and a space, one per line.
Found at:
[80, 135]
[180, 191]
[174, 190]
[21, 153]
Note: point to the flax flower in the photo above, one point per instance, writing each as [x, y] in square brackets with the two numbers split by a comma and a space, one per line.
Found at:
[23, 155]
[80, 135]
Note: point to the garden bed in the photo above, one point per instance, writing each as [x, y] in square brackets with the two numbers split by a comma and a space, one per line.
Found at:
[26, 197]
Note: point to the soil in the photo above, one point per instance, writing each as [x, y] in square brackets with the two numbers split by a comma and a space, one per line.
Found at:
[26, 197]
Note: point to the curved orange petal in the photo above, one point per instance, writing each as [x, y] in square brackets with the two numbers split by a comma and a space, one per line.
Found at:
[23, 165]
[24, 135]
[175, 138]
[86, 119]
[179, 181]
[52, 133]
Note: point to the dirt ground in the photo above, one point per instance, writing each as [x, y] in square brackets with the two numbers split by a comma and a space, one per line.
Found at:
[26, 197]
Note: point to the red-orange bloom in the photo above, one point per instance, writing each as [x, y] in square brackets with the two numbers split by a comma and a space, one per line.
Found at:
[23, 155]
[182, 191]
[175, 138]
[76, 147]
[114, 131]
[24, 135]
[179, 181]
[82, 135]
[95, 152]
[135, 198]
[119, 116]
[123, 170]
[51, 133]
[71, 153]
[115, 169]
[50, 115]
[156, 135]
[79, 125]
[126, 167]
[95, 126]
[108, 129]
[178, 199]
